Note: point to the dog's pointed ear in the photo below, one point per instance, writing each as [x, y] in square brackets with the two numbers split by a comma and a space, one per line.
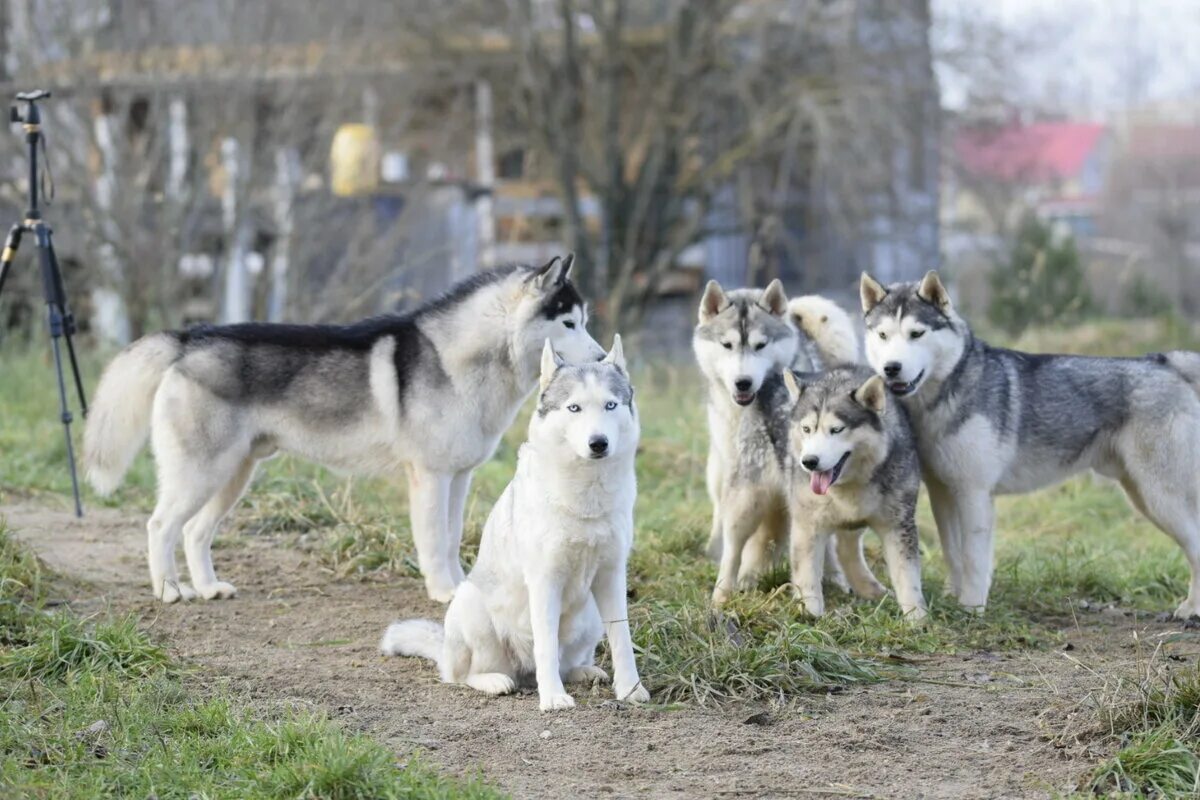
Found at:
[616, 354]
[550, 364]
[774, 299]
[932, 291]
[554, 273]
[794, 387]
[713, 302]
[872, 395]
[871, 291]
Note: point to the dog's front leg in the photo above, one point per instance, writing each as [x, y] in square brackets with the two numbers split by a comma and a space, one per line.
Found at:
[902, 551]
[975, 522]
[429, 498]
[609, 590]
[545, 614]
[808, 562]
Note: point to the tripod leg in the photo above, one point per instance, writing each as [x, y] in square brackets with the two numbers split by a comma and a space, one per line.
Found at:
[52, 289]
[55, 333]
[60, 294]
[11, 245]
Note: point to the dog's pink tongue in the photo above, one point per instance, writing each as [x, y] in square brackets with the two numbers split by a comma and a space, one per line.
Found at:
[821, 481]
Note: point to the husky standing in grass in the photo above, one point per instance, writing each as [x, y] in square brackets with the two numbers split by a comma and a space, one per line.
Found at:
[743, 341]
[991, 421]
[852, 463]
[550, 578]
[432, 390]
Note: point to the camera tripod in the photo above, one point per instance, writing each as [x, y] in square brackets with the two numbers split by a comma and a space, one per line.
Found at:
[62, 322]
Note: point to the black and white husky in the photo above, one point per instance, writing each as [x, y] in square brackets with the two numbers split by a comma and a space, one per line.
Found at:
[992, 421]
[432, 390]
[550, 578]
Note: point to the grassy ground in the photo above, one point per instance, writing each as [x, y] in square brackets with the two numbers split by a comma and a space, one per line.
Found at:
[1074, 544]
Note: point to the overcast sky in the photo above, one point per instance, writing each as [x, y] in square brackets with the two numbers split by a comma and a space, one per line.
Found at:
[1095, 56]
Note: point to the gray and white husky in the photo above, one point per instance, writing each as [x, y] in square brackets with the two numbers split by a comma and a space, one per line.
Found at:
[432, 390]
[851, 463]
[992, 421]
[550, 578]
[743, 341]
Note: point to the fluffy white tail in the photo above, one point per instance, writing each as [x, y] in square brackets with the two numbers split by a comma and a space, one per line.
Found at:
[118, 421]
[413, 637]
[828, 326]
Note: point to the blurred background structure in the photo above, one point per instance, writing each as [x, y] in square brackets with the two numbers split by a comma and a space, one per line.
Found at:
[317, 161]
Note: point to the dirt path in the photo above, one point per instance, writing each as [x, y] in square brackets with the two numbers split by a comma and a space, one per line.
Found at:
[984, 728]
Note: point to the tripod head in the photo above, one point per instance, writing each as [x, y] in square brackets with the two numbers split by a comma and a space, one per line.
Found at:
[32, 122]
[32, 115]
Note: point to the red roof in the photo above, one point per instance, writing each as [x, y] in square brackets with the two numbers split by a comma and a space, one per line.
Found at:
[1041, 151]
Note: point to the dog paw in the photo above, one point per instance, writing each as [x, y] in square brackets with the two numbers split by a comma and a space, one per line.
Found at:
[218, 590]
[495, 683]
[916, 616]
[440, 591]
[633, 694]
[589, 674]
[814, 605]
[556, 702]
[1187, 611]
[721, 596]
[870, 591]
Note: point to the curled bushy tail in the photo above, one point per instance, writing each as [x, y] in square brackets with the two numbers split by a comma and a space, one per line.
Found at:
[828, 326]
[118, 421]
[413, 637]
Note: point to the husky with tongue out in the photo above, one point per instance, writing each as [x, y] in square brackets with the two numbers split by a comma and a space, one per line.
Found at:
[853, 464]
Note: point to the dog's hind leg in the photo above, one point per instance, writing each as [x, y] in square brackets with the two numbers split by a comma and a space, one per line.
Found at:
[741, 513]
[472, 653]
[200, 530]
[859, 575]
[460, 487]
[429, 499]
[180, 496]
[834, 574]
[579, 652]
[1162, 485]
[763, 545]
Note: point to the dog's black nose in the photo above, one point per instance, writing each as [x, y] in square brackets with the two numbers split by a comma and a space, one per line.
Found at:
[598, 444]
[810, 462]
[743, 384]
[891, 369]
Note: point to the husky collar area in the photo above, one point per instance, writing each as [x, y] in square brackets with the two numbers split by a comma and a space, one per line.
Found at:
[852, 464]
[364, 398]
[993, 421]
[550, 578]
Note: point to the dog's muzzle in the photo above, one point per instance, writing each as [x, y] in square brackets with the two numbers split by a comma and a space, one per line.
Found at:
[900, 388]
[821, 481]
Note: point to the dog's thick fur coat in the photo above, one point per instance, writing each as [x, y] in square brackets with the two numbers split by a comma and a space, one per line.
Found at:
[550, 578]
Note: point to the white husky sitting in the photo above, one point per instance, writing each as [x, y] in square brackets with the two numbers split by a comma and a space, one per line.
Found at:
[550, 578]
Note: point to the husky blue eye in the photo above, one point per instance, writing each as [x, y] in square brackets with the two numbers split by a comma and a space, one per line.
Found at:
[838, 429]
[569, 324]
[916, 334]
[574, 409]
[610, 405]
[727, 345]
